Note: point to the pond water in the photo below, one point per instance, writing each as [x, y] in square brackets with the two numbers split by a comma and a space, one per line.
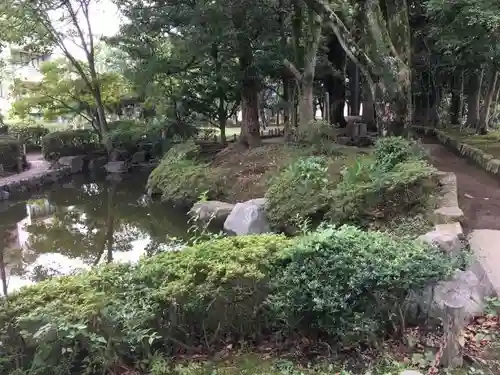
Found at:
[80, 223]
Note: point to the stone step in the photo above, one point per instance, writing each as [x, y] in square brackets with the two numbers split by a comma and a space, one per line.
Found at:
[485, 245]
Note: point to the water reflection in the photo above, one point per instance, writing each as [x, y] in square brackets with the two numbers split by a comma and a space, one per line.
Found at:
[81, 224]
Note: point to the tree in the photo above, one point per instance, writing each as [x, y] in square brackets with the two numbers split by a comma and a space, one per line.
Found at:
[52, 24]
[467, 36]
[232, 40]
[62, 92]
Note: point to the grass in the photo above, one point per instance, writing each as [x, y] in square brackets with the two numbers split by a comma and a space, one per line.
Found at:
[489, 143]
[262, 364]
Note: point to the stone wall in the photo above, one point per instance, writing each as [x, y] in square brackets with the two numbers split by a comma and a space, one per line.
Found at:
[486, 161]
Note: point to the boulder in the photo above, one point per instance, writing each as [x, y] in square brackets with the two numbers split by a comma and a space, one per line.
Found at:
[463, 286]
[215, 212]
[98, 163]
[4, 195]
[75, 163]
[248, 218]
[139, 157]
[448, 237]
[446, 215]
[116, 167]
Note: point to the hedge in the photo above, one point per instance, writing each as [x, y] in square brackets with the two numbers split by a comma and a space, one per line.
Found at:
[10, 152]
[213, 294]
[69, 142]
[31, 136]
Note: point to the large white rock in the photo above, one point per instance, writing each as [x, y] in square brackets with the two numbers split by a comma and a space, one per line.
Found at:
[211, 211]
[248, 218]
[75, 163]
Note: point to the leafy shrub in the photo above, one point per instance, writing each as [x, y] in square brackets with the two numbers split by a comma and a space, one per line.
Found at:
[318, 134]
[368, 193]
[351, 284]
[181, 177]
[135, 135]
[393, 181]
[300, 191]
[30, 135]
[116, 314]
[69, 142]
[390, 151]
[10, 152]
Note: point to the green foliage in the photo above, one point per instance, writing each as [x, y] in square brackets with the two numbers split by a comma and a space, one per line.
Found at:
[335, 278]
[68, 143]
[61, 92]
[135, 135]
[10, 152]
[181, 177]
[390, 151]
[118, 314]
[379, 188]
[319, 135]
[300, 190]
[29, 135]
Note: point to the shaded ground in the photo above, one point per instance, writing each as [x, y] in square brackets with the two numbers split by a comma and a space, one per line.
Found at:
[478, 191]
[249, 170]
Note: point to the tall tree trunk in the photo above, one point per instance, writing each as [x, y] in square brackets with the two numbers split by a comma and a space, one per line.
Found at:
[262, 109]
[354, 89]
[306, 103]
[250, 129]
[306, 57]
[474, 97]
[494, 111]
[368, 116]
[482, 127]
[456, 102]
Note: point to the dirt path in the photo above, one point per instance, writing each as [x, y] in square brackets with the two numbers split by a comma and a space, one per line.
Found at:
[478, 191]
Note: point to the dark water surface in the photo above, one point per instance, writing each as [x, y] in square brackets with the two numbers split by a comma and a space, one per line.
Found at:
[80, 223]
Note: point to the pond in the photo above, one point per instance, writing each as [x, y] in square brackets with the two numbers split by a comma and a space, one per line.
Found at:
[81, 223]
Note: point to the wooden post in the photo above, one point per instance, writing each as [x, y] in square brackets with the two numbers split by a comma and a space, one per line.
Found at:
[326, 109]
[454, 322]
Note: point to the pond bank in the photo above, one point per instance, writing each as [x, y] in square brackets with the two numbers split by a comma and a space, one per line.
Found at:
[73, 226]
[39, 174]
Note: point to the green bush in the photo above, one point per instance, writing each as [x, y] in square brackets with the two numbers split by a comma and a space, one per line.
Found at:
[374, 194]
[320, 135]
[300, 191]
[122, 314]
[30, 135]
[214, 293]
[182, 178]
[69, 142]
[134, 136]
[390, 151]
[352, 284]
[10, 152]
[392, 182]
